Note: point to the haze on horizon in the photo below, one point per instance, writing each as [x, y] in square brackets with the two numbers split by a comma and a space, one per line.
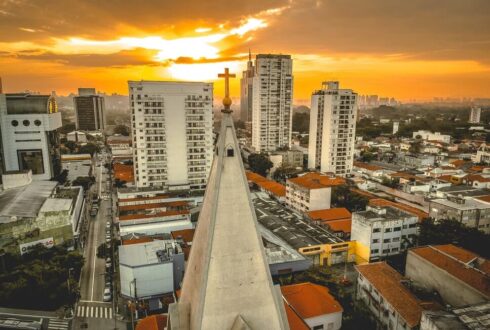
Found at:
[405, 49]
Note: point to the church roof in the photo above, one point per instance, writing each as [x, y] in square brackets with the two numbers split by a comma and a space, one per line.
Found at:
[227, 283]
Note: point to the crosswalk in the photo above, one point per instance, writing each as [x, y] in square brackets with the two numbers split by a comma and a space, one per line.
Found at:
[56, 324]
[91, 311]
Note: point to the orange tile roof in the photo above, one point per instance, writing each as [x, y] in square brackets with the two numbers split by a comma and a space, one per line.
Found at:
[140, 199]
[439, 257]
[485, 199]
[367, 166]
[404, 207]
[313, 180]
[153, 205]
[457, 252]
[387, 281]
[153, 322]
[294, 320]
[186, 234]
[330, 214]
[137, 240]
[458, 162]
[272, 186]
[446, 178]
[363, 193]
[123, 172]
[310, 300]
[149, 216]
[340, 225]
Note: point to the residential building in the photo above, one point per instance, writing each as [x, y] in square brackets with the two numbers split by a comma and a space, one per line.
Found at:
[314, 305]
[77, 136]
[482, 154]
[246, 91]
[427, 135]
[89, 110]
[416, 160]
[382, 231]
[311, 191]
[387, 298]
[459, 276]
[337, 220]
[286, 158]
[369, 170]
[332, 129]
[151, 269]
[30, 139]
[475, 114]
[272, 106]
[172, 131]
[471, 212]
[120, 146]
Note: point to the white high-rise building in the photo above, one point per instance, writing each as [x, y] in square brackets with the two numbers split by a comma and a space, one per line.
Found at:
[172, 130]
[332, 129]
[272, 108]
[475, 115]
[246, 93]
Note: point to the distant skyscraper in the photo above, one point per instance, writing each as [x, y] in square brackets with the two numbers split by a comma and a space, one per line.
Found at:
[89, 110]
[332, 129]
[272, 107]
[29, 137]
[475, 115]
[172, 124]
[246, 96]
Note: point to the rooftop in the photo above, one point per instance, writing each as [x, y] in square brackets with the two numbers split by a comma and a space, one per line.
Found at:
[187, 235]
[382, 213]
[149, 253]
[388, 282]
[314, 180]
[330, 214]
[455, 261]
[410, 209]
[310, 300]
[475, 317]
[25, 201]
[367, 166]
[272, 186]
[152, 322]
[56, 205]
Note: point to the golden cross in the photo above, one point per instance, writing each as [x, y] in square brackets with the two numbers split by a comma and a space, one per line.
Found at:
[227, 75]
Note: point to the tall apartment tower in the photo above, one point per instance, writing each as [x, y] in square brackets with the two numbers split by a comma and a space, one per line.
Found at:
[272, 106]
[332, 129]
[172, 130]
[475, 115]
[89, 110]
[29, 137]
[246, 91]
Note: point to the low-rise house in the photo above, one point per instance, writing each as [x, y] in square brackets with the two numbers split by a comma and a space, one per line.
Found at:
[311, 191]
[286, 158]
[120, 146]
[382, 231]
[482, 154]
[427, 135]
[382, 290]
[459, 276]
[314, 305]
[272, 188]
[416, 160]
[372, 171]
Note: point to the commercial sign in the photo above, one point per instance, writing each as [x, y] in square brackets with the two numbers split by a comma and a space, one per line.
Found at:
[26, 247]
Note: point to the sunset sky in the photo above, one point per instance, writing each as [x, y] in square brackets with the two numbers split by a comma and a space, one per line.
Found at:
[402, 48]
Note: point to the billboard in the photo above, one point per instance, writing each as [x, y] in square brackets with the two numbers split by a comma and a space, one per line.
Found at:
[26, 247]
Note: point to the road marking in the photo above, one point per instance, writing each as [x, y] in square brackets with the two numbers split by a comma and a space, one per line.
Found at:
[105, 312]
[110, 313]
[91, 311]
[96, 311]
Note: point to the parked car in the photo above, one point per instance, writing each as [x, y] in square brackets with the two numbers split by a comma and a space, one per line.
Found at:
[107, 295]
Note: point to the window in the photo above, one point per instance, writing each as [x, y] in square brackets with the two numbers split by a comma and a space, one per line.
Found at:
[31, 160]
[37, 122]
[376, 230]
[373, 251]
[376, 240]
[15, 123]
[318, 327]
[386, 240]
[26, 122]
[397, 229]
[387, 230]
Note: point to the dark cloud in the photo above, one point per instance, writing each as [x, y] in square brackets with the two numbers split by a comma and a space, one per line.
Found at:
[425, 29]
[120, 59]
[101, 19]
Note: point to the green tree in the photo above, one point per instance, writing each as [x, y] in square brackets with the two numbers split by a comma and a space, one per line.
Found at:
[342, 196]
[122, 129]
[89, 148]
[284, 172]
[259, 163]
[71, 145]
[85, 182]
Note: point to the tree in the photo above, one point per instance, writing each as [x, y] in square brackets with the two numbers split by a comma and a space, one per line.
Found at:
[454, 232]
[122, 129]
[284, 172]
[71, 145]
[89, 148]
[259, 163]
[342, 196]
[83, 181]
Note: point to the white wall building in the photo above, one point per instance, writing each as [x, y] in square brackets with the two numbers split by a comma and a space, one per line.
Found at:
[272, 108]
[29, 138]
[482, 154]
[475, 115]
[311, 191]
[172, 125]
[426, 135]
[332, 129]
[383, 231]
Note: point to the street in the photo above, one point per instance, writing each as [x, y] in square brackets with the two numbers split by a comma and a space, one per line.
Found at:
[91, 311]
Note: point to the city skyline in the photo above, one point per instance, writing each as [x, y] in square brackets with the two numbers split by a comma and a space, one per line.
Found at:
[401, 50]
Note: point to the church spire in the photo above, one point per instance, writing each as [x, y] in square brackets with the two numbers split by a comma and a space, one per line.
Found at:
[227, 283]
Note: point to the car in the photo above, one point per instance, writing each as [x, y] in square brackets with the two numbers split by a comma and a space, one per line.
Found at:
[107, 239]
[108, 224]
[107, 296]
